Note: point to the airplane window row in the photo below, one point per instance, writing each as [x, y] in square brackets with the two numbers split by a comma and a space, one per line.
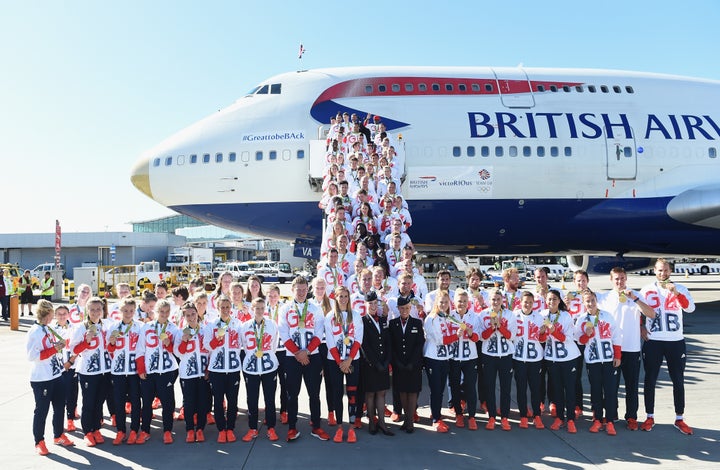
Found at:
[231, 157]
[581, 89]
[513, 151]
[423, 87]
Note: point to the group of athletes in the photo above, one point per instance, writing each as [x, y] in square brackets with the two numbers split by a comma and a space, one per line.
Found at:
[370, 326]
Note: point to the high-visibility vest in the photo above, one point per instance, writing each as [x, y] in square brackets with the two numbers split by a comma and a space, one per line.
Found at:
[23, 284]
[47, 286]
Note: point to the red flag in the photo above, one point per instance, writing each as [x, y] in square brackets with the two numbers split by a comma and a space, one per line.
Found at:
[57, 244]
[302, 51]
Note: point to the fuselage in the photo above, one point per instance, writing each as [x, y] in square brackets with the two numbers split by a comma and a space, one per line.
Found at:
[497, 160]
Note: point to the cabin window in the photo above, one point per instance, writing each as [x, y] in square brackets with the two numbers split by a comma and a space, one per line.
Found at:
[462, 87]
[629, 89]
[566, 89]
[193, 159]
[627, 152]
[368, 89]
[471, 151]
[180, 160]
[568, 151]
[527, 151]
[554, 151]
[218, 158]
[540, 151]
[456, 151]
[408, 87]
[604, 88]
[592, 89]
[712, 152]
[512, 151]
[168, 161]
[382, 88]
[272, 155]
[206, 158]
[422, 87]
[156, 162]
[553, 88]
[541, 88]
[395, 88]
[258, 155]
[232, 157]
[499, 151]
[579, 89]
[286, 155]
[488, 87]
[448, 87]
[300, 154]
[435, 87]
[475, 87]
[617, 89]
[485, 151]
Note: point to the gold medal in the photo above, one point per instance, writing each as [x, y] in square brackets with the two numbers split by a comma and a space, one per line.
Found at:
[571, 295]
[493, 314]
[622, 297]
[115, 334]
[546, 322]
[301, 324]
[258, 354]
[221, 332]
[93, 329]
[588, 324]
[163, 336]
[346, 341]
[187, 331]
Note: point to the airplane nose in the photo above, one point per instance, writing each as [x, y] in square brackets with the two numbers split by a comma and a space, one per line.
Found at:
[140, 177]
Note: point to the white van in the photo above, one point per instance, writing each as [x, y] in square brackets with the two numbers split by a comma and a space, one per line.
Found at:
[272, 271]
[39, 270]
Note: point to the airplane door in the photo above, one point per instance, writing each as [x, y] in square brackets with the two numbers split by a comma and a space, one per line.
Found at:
[621, 157]
[514, 87]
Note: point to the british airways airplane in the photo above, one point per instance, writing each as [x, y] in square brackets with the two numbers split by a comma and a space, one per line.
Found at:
[497, 160]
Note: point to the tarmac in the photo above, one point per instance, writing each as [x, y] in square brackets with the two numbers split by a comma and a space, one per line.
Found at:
[663, 447]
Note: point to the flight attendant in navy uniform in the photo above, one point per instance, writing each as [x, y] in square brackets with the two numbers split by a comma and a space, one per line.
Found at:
[375, 364]
[44, 346]
[407, 339]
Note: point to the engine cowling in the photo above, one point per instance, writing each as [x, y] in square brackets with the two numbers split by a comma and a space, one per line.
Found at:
[603, 264]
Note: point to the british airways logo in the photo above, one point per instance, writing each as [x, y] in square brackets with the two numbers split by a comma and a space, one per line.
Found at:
[591, 126]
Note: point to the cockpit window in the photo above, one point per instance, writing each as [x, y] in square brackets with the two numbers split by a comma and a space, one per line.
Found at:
[263, 90]
[252, 92]
[275, 88]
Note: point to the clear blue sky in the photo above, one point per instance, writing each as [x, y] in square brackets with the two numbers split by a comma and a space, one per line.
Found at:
[87, 85]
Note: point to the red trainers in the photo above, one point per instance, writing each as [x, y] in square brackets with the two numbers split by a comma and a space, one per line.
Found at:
[358, 423]
[63, 440]
[167, 437]
[557, 424]
[631, 424]
[190, 438]
[250, 435]
[210, 418]
[351, 436]
[682, 427]
[132, 437]
[537, 421]
[524, 423]
[320, 434]
[199, 436]
[283, 417]
[648, 424]
[99, 439]
[230, 435]
[142, 437]
[596, 426]
[70, 426]
[331, 419]
[505, 424]
[119, 438]
[272, 435]
[571, 426]
[440, 426]
[472, 424]
[338, 435]
[41, 449]
[292, 435]
[459, 421]
[490, 424]
[89, 440]
[610, 429]
[222, 437]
